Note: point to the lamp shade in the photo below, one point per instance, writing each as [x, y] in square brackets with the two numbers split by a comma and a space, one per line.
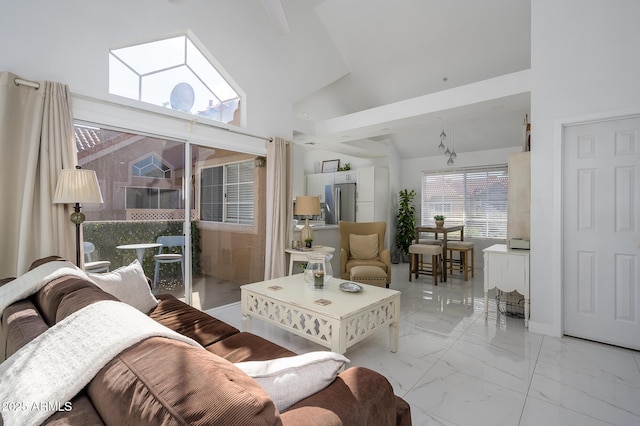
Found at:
[307, 206]
[77, 186]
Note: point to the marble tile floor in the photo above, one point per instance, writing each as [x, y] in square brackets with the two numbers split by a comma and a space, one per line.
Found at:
[456, 368]
[208, 292]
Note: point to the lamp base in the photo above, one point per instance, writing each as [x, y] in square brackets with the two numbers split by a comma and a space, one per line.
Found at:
[306, 233]
[77, 217]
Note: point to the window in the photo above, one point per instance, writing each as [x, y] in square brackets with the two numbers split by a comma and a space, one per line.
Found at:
[226, 193]
[174, 73]
[151, 198]
[152, 167]
[476, 198]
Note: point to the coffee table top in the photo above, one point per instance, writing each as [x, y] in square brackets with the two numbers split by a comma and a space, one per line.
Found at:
[295, 291]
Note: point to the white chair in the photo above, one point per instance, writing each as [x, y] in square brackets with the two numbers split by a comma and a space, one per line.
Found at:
[89, 264]
[162, 257]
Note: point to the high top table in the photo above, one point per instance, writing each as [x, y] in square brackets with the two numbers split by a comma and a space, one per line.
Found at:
[348, 318]
[444, 230]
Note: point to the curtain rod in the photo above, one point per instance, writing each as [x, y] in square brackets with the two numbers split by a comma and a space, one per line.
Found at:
[19, 81]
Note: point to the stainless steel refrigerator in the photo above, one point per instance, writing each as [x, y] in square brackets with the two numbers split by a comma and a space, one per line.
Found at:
[340, 203]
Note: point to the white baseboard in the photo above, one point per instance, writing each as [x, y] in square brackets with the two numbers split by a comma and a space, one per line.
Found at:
[545, 329]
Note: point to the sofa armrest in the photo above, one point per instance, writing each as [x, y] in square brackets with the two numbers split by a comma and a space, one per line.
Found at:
[358, 396]
[385, 257]
[343, 264]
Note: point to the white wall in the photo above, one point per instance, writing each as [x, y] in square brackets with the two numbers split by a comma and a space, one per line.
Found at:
[69, 42]
[584, 60]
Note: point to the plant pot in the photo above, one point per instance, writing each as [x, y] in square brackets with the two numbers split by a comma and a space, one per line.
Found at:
[439, 223]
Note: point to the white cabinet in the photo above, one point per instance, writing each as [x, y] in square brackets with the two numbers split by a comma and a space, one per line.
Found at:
[366, 184]
[365, 211]
[349, 176]
[317, 182]
[372, 195]
[519, 196]
[506, 270]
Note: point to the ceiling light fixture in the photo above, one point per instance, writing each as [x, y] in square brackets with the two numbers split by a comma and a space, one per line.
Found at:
[443, 136]
[453, 148]
[448, 149]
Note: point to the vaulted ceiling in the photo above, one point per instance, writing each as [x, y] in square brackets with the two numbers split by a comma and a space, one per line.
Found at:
[395, 73]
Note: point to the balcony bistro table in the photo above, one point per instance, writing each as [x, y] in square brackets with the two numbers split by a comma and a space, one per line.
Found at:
[139, 248]
[444, 230]
[296, 255]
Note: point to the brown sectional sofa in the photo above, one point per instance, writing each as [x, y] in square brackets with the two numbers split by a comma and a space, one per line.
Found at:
[163, 381]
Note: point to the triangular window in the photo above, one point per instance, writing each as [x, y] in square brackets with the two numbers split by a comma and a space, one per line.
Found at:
[174, 73]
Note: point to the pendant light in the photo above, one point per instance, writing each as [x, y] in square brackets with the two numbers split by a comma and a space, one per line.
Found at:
[443, 136]
[453, 148]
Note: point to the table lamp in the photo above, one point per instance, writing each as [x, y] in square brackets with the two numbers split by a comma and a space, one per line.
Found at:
[77, 186]
[307, 206]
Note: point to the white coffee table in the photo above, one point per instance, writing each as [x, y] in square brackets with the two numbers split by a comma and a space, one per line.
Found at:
[290, 304]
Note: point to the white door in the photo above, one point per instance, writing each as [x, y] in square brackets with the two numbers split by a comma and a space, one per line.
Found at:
[601, 235]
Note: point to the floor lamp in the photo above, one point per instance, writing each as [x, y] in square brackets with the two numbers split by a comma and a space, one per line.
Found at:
[77, 186]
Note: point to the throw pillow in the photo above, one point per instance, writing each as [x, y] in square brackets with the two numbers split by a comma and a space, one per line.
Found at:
[363, 247]
[291, 379]
[129, 284]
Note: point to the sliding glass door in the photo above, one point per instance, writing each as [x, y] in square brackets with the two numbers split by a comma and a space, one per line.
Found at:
[215, 200]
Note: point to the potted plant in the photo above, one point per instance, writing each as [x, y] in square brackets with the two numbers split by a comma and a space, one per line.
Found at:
[308, 242]
[439, 220]
[406, 222]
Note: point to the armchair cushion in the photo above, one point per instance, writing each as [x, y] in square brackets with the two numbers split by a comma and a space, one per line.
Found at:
[363, 247]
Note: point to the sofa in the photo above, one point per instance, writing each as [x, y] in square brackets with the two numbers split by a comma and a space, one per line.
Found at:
[164, 381]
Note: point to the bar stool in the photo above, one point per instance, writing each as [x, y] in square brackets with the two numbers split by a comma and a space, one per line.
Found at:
[430, 241]
[465, 263]
[417, 264]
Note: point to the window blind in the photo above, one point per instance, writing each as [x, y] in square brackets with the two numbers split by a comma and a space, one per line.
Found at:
[475, 198]
[226, 193]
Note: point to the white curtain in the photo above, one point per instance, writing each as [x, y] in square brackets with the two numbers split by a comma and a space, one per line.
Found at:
[279, 207]
[37, 141]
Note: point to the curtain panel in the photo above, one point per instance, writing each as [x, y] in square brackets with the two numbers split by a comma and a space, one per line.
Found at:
[279, 207]
[37, 141]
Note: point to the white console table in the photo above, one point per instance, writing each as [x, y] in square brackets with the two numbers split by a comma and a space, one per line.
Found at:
[506, 270]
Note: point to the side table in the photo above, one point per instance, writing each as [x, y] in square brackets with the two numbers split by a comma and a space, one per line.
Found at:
[296, 255]
[506, 270]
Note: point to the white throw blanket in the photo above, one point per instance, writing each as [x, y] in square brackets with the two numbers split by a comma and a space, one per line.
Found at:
[32, 281]
[56, 365]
